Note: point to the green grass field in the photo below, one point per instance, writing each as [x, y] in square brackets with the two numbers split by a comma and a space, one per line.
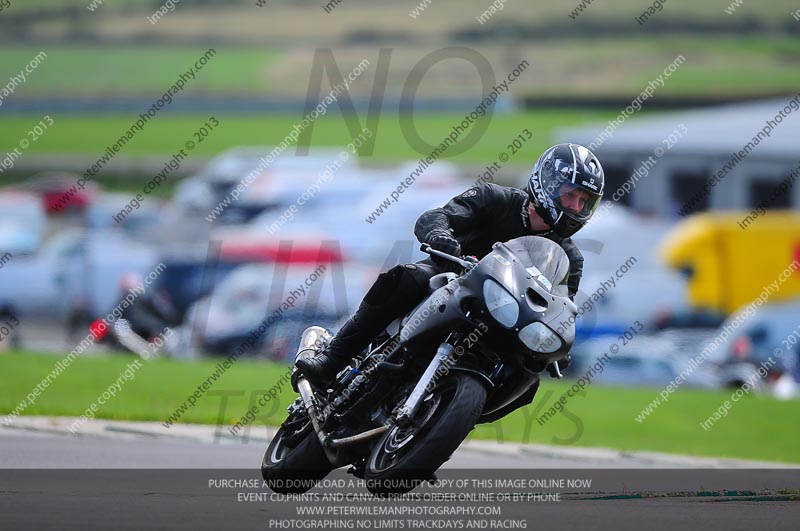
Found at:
[289, 20]
[757, 427]
[620, 66]
[88, 71]
[167, 133]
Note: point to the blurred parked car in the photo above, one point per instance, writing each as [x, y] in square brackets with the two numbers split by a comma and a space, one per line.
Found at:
[645, 361]
[73, 267]
[268, 200]
[22, 223]
[139, 224]
[761, 337]
[212, 185]
[249, 295]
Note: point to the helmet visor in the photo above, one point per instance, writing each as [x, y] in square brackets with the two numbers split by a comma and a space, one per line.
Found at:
[576, 201]
[566, 186]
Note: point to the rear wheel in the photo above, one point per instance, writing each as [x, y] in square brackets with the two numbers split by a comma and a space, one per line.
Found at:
[407, 455]
[294, 461]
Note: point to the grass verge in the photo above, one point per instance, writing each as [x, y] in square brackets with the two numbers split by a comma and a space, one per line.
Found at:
[756, 427]
[167, 133]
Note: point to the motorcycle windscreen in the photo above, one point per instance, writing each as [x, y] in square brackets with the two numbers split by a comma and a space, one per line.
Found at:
[541, 256]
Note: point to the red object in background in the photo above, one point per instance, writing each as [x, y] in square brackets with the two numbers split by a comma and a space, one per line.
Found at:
[774, 375]
[58, 201]
[296, 254]
[60, 192]
[797, 253]
[742, 348]
[99, 329]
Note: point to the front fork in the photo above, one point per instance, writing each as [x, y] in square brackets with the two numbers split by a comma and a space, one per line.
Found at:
[439, 366]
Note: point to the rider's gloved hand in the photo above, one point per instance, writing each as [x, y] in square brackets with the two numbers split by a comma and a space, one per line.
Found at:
[444, 242]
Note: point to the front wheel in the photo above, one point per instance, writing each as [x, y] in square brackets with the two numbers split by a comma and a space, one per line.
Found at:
[292, 467]
[406, 456]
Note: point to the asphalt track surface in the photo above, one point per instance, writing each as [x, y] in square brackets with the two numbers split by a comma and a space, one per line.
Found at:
[130, 481]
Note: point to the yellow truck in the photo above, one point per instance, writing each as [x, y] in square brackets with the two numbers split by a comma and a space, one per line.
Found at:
[732, 258]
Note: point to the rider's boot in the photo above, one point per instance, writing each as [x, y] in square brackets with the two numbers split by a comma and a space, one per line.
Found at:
[351, 339]
[393, 294]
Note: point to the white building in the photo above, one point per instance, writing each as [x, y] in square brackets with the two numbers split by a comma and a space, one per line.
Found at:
[696, 146]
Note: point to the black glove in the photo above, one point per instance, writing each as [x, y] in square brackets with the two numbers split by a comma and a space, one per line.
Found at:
[441, 241]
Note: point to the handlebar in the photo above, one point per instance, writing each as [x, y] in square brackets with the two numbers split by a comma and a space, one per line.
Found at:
[467, 262]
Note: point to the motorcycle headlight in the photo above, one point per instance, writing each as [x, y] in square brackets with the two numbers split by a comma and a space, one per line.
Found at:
[501, 304]
[540, 338]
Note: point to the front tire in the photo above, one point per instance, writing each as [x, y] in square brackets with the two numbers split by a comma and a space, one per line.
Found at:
[297, 469]
[406, 456]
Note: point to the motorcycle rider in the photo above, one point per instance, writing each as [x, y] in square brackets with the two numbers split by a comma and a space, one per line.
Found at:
[152, 312]
[563, 191]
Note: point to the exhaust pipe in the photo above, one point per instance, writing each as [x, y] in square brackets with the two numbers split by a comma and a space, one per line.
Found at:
[314, 339]
[311, 407]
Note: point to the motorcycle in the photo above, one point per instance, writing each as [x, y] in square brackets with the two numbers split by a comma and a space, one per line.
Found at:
[405, 404]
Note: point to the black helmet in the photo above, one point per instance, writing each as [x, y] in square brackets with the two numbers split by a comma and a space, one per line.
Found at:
[559, 184]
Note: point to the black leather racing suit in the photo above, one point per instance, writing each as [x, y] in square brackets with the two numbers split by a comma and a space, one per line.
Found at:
[477, 218]
[482, 216]
[491, 213]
